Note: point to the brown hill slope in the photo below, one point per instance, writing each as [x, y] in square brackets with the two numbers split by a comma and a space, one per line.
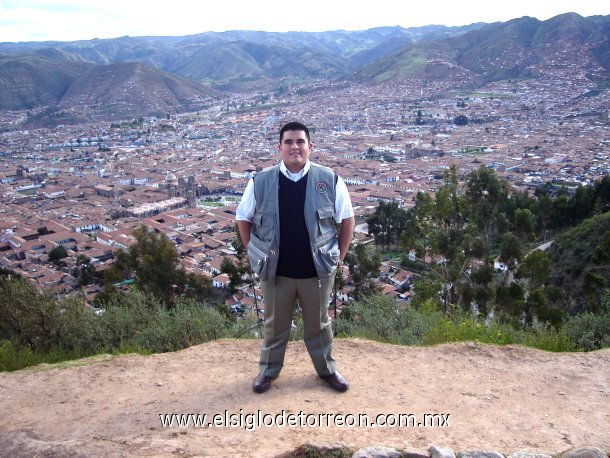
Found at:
[519, 48]
[499, 398]
[131, 89]
[28, 81]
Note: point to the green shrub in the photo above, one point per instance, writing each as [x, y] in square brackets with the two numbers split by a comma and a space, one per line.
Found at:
[37, 328]
[125, 349]
[548, 339]
[469, 329]
[463, 327]
[193, 323]
[377, 317]
[142, 321]
[12, 359]
[589, 331]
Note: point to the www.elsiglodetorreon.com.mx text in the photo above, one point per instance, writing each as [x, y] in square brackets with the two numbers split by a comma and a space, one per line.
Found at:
[287, 419]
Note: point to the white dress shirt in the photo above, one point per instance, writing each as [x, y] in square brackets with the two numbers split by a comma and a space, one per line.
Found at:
[343, 203]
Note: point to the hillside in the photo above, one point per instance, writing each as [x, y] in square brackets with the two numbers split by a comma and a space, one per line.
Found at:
[32, 80]
[519, 48]
[237, 64]
[132, 89]
[572, 256]
[85, 92]
[499, 398]
[235, 59]
[138, 76]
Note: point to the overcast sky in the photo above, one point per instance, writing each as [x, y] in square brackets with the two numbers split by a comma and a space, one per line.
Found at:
[37, 20]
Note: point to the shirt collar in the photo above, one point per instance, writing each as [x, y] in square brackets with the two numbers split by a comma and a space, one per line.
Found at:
[297, 175]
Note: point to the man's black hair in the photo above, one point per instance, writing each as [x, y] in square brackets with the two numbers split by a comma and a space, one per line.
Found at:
[294, 126]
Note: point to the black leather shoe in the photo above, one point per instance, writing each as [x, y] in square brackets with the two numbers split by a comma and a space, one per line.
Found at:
[336, 381]
[262, 383]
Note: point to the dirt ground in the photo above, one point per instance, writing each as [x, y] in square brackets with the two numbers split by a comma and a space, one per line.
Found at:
[505, 399]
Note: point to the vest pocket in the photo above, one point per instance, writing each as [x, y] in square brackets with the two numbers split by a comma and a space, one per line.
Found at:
[326, 218]
[328, 255]
[257, 255]
[263, 226]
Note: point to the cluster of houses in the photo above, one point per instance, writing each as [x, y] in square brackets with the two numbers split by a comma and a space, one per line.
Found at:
[86, 188]
[202, 237]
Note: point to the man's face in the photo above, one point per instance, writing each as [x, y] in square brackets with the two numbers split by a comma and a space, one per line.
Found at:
[295, 149]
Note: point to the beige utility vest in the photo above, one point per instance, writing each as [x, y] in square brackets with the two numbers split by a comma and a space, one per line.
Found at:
[264, 246]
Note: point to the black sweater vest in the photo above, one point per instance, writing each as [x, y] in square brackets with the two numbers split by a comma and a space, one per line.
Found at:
[295, 260]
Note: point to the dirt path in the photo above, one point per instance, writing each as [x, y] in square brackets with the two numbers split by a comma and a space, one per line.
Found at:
[499, 398]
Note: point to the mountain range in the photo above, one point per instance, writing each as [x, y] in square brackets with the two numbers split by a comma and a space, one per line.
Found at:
[132, 76]
[519, 48]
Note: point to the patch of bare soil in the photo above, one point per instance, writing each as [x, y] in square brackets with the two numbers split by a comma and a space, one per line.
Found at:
[505, 399]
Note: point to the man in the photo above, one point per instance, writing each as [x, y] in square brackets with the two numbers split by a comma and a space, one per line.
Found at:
[286, 219]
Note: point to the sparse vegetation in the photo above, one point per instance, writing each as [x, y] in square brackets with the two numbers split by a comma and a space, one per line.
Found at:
[312, 451]
[36, 328]
[380, 318]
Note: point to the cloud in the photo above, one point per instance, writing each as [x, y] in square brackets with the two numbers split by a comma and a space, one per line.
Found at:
[30, 23]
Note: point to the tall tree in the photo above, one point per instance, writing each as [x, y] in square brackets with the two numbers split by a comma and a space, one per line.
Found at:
[84, 272]
[57, 254]
[364, 262]
[228, 267]
[524, 224]
[457, 234]
[460, 120]
[154, 264]
[485, 196]
[238, 268]
[387, 223]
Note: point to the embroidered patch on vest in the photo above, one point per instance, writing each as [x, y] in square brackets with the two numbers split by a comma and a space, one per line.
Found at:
[321, 187]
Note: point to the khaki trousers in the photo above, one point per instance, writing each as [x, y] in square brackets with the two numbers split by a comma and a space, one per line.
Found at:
[280, 297]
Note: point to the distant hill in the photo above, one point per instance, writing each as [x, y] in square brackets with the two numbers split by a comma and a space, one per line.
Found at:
[246, 64]
[41, 78]
[73, 92]
[133, 89]
[514, 49]
[243, 59]
[67, 82]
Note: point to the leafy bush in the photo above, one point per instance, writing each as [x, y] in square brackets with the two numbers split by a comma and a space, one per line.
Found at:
[589, 331]
[12, 359]
[144, 322]
[463, 327]
[376, 317]
[32, 319]
[36, 328]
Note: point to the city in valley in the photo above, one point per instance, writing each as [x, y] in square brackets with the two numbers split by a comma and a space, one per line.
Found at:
[87, 187]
